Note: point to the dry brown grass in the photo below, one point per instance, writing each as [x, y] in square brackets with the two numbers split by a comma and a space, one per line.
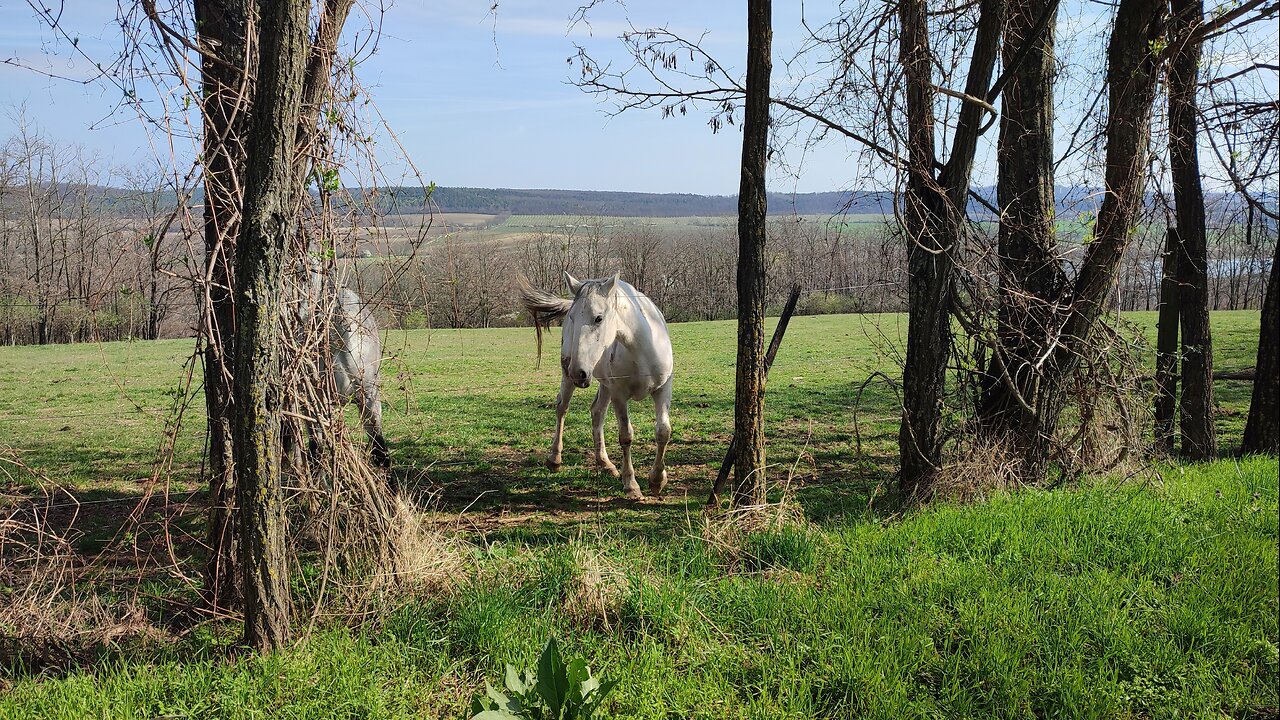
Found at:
[50, 616]
[595, 594]
[431, 560]
[982, 469]
[725, 533]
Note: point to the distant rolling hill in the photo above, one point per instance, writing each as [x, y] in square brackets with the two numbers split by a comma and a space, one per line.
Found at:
[498, 201]
[632, 204]
[1071, 201]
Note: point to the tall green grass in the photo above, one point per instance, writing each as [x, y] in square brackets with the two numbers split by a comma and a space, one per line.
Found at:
[1153, 599]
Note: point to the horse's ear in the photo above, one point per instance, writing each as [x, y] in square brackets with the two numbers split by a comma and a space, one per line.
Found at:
[611, 284]
[572, 284]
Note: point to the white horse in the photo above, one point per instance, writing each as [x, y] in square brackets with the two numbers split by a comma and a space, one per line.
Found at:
[356, 352]
[611, 332]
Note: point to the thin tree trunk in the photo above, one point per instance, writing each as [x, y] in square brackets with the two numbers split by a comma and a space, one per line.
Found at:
[1167, 348]
[1199, 438]
[332, 18]
[271, 200]
[226, 79]
[1262, 430]
[731, 455]
[1031, 277]
[748, 415]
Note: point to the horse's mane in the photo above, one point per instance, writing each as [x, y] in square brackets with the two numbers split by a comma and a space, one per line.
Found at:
[545, 309]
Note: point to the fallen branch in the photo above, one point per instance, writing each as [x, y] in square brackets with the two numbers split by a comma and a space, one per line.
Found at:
[1246, 374]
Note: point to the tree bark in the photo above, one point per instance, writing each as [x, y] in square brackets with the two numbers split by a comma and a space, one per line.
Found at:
[731, 455]
[958, 172]
[1132, 73]
[1030, 275]
[226, 82]
[333, 16]
[1199, 437]
[748, 416]
[271, 202]
[1167, 347]
[929, 266]
[1262, 430]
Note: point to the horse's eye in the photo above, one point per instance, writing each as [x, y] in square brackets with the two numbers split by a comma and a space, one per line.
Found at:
[599, 319]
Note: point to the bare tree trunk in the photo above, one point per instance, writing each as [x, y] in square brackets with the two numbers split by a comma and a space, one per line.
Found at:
[1199, 438]
[934, 222]
[226, 80]
[329, 24]
[271, 200]
[1167, 347]
[929, 266]
[748, 415]
[1132, 73]
[1031, 277]
[1262, 431]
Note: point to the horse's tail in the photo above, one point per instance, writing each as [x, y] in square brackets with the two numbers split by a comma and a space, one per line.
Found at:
[545, 309]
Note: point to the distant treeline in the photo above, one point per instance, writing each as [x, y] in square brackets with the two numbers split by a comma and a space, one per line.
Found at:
[1071, 201]
[625, 204]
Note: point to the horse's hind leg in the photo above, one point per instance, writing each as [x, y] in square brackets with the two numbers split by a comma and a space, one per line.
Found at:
[662, 433]
[599, 411]
[562, 408]
[624, 439]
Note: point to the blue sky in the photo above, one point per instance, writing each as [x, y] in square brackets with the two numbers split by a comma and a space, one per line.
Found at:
[477, 99]
[484, 100]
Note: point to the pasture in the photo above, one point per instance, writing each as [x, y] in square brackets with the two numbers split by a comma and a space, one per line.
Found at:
[1148, 596]
[396, 236]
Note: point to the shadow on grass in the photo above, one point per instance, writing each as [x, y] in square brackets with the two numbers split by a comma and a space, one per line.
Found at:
[490, 492]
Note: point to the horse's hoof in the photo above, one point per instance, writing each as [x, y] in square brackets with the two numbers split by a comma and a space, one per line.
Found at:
[553, 465]
[658, 484]
[610, 468]
[635, 494]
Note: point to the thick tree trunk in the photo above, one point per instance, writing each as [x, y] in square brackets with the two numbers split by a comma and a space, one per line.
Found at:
[1132, 73]
[1199, 438]
[226, 81]
[934, 222]
[271, 203]
[1031, 277]
[1167, 347]
[1262, 430]
[748, 416]
[929, 267]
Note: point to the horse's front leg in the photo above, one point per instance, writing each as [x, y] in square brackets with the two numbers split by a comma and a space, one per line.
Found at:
[662, 433]
[624, 439]
[599, 411]
[562, 409]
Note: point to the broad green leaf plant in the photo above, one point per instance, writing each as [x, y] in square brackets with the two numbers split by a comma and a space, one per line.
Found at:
[559, 691]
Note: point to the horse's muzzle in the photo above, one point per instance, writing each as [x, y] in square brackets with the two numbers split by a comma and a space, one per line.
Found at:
[580, 378]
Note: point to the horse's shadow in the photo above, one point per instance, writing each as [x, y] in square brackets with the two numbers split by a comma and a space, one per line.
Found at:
[507, 491]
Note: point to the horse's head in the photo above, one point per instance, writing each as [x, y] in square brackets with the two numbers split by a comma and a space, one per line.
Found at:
[590, 327]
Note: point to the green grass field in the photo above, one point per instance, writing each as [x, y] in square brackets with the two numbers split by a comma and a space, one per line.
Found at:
[1151, 597]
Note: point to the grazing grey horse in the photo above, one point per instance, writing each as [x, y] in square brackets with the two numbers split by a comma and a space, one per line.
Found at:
[617, 335]
[356, 352]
